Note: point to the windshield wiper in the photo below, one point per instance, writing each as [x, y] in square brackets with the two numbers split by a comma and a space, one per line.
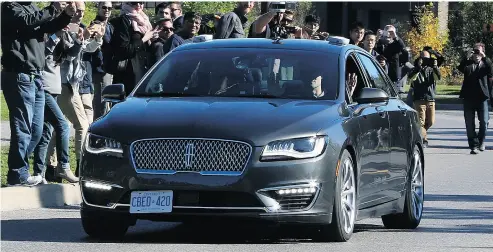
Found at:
[165, 94]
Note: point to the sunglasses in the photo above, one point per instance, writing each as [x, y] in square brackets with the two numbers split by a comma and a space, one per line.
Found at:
[107, 8]
[135, 3]
[167, 29]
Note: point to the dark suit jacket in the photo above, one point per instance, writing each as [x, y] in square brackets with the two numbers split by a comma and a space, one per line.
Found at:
[477, 85]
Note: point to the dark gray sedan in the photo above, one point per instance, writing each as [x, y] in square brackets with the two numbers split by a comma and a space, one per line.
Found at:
[291, 131]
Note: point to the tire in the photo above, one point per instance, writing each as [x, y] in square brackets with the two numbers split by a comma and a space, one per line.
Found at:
[344, 212]
[104, 226]
[414, 202]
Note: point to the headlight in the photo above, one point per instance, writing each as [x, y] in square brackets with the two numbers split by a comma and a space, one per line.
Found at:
[98, 144]
[294, 148]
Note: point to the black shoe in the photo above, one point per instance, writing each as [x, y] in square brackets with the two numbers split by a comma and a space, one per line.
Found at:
[474, 151]
[51, 176]
[425, 144]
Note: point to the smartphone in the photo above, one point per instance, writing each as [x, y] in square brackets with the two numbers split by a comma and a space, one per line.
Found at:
[73, 27]
[54, 38]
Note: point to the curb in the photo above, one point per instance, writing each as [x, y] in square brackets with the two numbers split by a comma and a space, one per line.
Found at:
[41, 196]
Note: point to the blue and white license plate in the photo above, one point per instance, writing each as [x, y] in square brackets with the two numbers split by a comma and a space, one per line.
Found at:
[151, 202]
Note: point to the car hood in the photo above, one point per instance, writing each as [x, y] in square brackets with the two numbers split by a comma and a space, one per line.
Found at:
[253, 120]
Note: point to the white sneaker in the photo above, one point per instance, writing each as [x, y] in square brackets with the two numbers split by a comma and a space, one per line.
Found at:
[33, 180]
[27, 180]
[44, 182]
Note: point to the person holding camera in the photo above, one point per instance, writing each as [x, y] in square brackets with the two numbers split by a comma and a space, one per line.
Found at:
[310, 30]
[475, 92]
[277, 23]
[423, 79]
[393, 48]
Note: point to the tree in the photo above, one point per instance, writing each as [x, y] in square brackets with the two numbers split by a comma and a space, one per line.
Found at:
[466, 26]
[426, 33]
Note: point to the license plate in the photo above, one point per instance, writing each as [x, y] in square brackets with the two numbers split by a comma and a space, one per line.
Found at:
[151, 202]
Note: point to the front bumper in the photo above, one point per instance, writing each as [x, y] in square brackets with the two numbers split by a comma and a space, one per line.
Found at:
[306, 187]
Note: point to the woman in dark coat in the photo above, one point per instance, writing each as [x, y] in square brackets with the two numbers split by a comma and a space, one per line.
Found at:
[130, 45]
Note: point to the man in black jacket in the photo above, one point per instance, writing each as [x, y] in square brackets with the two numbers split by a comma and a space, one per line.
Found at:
[23, 30]
[423, 79]
[475, 92]
[232, 24]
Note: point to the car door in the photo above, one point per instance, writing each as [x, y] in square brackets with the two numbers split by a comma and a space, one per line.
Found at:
[373, 144]
[398, 131]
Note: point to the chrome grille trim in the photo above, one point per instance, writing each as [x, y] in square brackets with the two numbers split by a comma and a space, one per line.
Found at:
[212, 156]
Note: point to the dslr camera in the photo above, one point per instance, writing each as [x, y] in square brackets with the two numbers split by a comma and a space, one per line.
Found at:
[281, 31]
[281, 7]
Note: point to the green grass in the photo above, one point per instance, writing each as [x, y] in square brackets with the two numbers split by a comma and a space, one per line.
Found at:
[448, 89]
[3, 108]
[443, 89]
[4, 158]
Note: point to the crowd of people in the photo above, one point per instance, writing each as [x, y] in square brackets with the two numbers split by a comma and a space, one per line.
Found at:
[55, 68]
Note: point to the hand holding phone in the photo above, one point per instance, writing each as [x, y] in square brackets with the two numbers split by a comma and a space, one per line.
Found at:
[72, 27]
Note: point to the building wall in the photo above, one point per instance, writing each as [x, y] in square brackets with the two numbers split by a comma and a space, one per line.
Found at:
[442, 13]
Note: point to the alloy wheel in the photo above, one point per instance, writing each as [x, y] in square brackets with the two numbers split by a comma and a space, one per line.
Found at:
[417, 186]
[348, 196]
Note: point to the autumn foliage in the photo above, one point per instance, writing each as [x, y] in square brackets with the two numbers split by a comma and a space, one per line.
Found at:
[428, 34]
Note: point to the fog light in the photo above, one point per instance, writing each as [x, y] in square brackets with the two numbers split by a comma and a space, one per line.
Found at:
[98, 186]
[297, 191]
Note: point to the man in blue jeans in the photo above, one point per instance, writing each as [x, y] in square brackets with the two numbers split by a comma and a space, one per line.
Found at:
[23, 29]
[476, 91]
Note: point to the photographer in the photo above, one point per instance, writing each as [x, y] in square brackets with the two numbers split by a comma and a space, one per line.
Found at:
[475, 92]
[310, 30]
[393, 48]
[277, 23]
[423, 79]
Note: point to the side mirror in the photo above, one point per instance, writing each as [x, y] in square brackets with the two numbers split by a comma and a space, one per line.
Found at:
[371, 95]
[114, 93]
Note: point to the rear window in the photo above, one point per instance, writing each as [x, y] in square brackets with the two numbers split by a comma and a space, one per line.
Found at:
[244, 72]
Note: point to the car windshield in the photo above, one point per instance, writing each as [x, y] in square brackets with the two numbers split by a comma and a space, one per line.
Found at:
[244, 72]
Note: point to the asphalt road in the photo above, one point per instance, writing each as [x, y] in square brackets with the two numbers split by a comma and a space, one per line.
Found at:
[458, 215]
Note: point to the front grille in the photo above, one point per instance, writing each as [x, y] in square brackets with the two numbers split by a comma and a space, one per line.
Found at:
[190, 155]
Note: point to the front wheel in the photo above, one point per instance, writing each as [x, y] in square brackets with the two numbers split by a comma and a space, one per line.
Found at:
[344, 213]
[104, 226]
[413, 206]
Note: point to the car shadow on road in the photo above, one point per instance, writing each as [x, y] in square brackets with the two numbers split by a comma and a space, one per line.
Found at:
[69, 230]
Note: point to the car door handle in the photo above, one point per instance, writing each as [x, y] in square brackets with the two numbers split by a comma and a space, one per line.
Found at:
[403, 110]
[380, 111]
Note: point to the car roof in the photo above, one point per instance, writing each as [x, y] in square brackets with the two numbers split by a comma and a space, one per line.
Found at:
[290, 44]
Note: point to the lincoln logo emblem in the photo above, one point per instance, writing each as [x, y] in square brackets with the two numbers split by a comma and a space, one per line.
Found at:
[189, 155]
